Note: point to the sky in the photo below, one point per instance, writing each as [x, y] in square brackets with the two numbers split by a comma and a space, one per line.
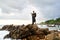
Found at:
[22, 9]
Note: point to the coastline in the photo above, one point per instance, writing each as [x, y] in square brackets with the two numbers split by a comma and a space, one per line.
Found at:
[39, 26]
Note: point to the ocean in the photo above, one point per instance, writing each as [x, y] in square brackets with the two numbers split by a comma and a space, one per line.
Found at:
[50, 28]
[4, 32]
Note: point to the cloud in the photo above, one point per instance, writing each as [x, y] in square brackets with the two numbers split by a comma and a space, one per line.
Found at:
[9, 7]
[12, 5]
[21, 9]
[49, 8]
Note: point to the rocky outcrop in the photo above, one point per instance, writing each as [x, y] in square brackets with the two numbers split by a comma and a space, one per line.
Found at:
[28, 32]
[25, 32]
[11, 27]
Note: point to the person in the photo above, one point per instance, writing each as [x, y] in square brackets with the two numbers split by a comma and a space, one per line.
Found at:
[33, 17]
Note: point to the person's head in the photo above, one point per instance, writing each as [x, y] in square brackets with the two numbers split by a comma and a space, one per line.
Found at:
[33, 11]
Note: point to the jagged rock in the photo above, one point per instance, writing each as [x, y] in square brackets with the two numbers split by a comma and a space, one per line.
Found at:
[7, 36]
[26, 32]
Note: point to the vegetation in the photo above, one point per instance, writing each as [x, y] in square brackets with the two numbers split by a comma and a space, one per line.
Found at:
[57, 21]
[52, 21]
[42, 23]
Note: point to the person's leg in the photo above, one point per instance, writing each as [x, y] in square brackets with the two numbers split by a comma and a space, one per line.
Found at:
[32, 23]
[35, 21]
[32, 20]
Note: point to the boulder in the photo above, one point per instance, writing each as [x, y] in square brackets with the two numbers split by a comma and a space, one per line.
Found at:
[26, 32]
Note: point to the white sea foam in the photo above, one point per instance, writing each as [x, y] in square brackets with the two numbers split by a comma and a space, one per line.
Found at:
[3, 33]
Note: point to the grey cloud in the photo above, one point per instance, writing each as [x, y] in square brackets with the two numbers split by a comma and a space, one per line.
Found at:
[8, 5]
[48, 8]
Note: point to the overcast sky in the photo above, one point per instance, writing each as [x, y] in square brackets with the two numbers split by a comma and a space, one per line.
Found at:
[22, 9]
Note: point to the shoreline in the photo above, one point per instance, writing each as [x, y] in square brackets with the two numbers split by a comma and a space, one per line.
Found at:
[21, 28]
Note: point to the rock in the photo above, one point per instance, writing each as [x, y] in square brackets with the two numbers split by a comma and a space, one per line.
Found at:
[26, 32]
[7, 36]
[56, 39]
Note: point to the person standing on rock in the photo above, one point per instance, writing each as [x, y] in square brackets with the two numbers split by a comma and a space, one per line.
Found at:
[33, 17]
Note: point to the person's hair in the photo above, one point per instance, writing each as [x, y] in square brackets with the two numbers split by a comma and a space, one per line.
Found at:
[33, 11]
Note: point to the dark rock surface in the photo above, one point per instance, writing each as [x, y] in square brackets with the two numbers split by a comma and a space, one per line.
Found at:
[27, 32]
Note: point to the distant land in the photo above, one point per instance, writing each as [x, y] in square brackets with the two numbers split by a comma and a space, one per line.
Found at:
[52, 21]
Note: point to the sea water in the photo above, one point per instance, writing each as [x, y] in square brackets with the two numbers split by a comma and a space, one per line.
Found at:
[50, 28]
[4, 32]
